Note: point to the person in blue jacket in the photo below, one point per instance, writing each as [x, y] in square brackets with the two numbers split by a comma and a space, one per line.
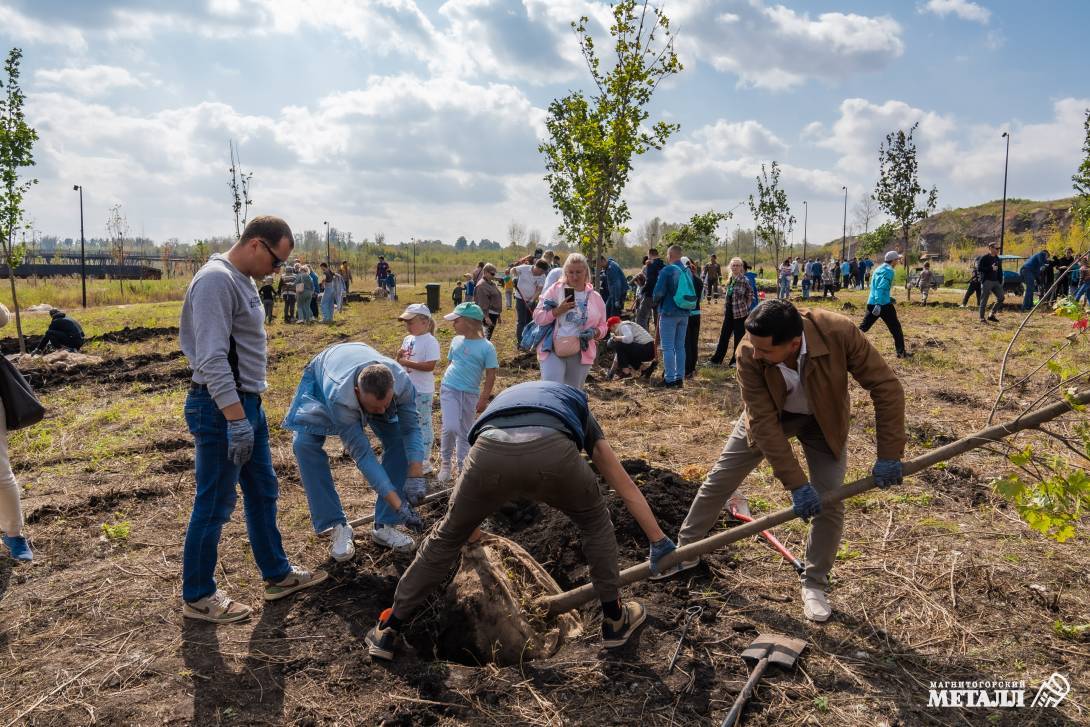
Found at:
[616, 283]
[345, 388]
[880, 304]
[1030, 270]
[673, 319]
[752, 278]
[63, 333]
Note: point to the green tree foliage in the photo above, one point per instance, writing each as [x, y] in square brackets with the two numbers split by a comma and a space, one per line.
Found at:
[1081, 180]
[16, 151]
[592, 141]
[770, 210]
[879, 240]
[697, 236]
[898, 187]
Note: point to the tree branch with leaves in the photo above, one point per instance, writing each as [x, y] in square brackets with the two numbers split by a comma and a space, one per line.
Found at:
[592, 141]
[898, 189]
[771, 212]
[16, 152]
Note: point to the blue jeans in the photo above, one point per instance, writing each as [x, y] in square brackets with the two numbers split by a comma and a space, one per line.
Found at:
[328, 302]
[1083, 293]
[215, 497]
[672, 337]
[784, 291]
[1029, 280]
[322, 498]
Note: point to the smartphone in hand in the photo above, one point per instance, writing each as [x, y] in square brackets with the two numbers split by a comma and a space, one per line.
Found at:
[569, 294]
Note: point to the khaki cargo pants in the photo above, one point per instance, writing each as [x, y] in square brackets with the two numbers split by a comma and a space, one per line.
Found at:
[735, 463]
[548, 470]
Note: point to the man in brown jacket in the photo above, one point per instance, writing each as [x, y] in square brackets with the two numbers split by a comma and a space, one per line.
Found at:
[489, 298]
[793, 369]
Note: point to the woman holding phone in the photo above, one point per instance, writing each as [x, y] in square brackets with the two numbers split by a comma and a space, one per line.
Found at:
[577, 315]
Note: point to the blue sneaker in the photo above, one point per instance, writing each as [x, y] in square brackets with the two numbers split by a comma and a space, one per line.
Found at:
[19, 547]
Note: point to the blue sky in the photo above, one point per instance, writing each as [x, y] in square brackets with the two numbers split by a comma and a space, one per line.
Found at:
[421, 119]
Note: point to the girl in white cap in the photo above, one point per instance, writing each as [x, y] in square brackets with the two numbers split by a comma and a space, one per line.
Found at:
[418, 355]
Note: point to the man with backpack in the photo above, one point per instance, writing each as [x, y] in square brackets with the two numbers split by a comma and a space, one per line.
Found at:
[674, 298]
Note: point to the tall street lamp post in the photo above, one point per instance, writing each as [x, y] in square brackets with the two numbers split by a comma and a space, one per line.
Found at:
[82, 245]
[326, 223]
[1003, 214]
[844, 231]
[805, 222]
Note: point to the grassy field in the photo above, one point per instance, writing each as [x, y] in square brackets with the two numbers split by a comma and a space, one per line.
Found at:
[936, 579]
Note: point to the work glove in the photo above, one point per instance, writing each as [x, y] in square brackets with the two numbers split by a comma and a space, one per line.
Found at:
[240, 441]
[585, 337]
[805, 501]
[659, 550]
[887, 473]
[409, 518]
[876, 310]
[415, 490]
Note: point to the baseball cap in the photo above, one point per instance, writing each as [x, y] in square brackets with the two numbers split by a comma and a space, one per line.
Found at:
[613, 320]
[892, 255]
[994, 244]
[414, 310]
[466, 310]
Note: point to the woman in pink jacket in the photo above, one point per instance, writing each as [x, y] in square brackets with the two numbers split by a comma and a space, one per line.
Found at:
[572, 303]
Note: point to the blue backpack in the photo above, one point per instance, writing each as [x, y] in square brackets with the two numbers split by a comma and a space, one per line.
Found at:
[685, 293]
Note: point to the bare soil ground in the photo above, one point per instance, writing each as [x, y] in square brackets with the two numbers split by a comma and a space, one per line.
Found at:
[937, 579]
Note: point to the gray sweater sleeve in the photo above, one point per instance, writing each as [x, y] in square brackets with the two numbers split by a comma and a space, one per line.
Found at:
[210, 304]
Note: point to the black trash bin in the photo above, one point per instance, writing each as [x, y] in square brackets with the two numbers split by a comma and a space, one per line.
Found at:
[433, 297]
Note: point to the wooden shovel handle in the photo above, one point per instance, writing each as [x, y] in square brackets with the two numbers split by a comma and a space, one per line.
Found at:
[585, 593]
[747, 691]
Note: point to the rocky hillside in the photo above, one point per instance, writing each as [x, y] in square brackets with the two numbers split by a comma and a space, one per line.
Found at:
[968, 228]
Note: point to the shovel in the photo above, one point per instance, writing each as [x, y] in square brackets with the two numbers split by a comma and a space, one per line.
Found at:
[775, 649]
[772, 540]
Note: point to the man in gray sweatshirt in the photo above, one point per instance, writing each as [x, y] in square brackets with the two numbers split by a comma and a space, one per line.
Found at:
[223, 337]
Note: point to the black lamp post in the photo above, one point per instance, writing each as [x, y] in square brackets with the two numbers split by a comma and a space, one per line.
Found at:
[1003, 214]
[326, 223]
[844, 231]
[805, 222]
[82, 245]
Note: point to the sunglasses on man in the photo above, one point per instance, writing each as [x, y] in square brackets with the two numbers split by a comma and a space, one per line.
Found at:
[277, 262]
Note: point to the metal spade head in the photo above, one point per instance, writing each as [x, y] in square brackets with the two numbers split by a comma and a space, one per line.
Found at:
[782, 651]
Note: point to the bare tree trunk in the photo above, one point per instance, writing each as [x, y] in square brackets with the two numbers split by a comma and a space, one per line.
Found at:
[15, 299]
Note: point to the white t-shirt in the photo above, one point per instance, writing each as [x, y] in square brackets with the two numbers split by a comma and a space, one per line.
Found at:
[527, 284]
[795, 401]
[574, 321]
[422, 348]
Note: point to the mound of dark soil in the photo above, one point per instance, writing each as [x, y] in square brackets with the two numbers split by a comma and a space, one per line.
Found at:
[152, 369]
[10, 344]
[553, 539]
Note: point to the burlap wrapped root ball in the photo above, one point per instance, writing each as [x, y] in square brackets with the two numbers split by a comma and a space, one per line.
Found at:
[494, 592]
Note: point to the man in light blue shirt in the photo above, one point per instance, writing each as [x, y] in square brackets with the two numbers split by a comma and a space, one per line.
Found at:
[880, 304]
[344, 388]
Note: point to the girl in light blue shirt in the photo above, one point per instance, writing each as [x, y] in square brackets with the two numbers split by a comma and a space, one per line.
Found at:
[472, 358]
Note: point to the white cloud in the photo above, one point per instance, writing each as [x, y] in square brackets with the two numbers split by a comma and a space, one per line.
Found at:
[88, 81]
[964, 9]
[776, 48]
[401, 152]
[24, 29]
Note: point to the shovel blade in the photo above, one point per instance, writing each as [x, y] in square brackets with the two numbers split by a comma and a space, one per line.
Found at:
[782, 651]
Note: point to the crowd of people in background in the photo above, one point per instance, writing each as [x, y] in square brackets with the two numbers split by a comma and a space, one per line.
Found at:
[306, 294]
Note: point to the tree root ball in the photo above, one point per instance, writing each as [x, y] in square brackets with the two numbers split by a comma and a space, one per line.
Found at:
[489, 607]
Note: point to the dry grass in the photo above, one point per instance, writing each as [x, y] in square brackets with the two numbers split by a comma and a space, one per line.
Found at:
[936, 579]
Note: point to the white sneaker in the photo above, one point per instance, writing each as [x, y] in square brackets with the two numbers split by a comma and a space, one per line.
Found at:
[815, 604]
[444, 474]
[343, 548]
[390, 537]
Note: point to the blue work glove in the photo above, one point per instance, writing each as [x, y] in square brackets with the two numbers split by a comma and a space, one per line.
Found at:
[887, 473]
[240, 441]
[659, 550]
[805, 501]
[416, 489]
[585, 337]
[409, 518]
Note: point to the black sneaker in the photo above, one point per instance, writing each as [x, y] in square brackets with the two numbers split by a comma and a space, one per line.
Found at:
[993, 319]
[381, 642]
[649, 370]
[617, 633]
